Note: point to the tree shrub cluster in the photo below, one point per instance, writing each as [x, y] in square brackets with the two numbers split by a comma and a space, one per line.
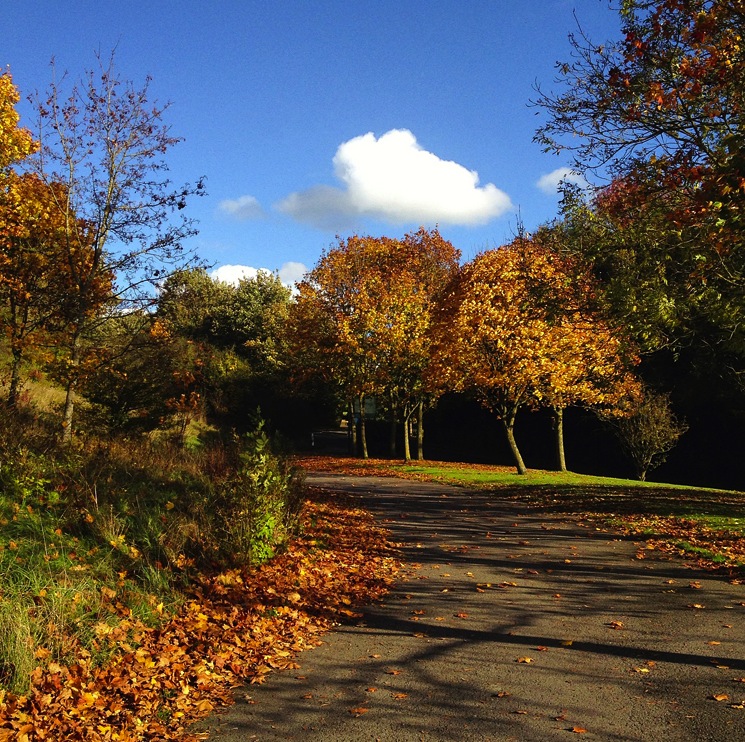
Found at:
[107, 516]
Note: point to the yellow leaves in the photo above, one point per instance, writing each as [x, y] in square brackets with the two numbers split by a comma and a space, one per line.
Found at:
[15, 143]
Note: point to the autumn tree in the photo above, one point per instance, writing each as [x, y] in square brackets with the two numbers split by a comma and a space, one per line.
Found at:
[660, 111]
[35, 269]
[648, 431]
[105, 141]
[519, 328]
[377, 297]
[145, 378]
[16, 144]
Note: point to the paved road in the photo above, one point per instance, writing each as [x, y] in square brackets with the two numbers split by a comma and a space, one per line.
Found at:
[517, 626]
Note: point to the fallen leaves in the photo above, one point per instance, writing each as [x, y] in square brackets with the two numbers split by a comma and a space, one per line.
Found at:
[235, 628]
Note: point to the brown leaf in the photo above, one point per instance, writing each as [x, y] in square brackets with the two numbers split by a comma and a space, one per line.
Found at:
[358, 711]
[524, 660]
[720, 697]
[579, 730]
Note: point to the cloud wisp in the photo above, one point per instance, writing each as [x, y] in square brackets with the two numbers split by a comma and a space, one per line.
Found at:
[392, 178]
[550, 182]
[242, 208]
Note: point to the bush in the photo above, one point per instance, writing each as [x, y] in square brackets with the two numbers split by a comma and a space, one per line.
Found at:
[258, 508]
[649, 431]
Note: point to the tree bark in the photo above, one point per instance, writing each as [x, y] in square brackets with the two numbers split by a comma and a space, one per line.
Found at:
[14, 392]
[352, 430]
[509, 427]
[420, 432]
[72, 383]
[363, 430]
[407, 442]
[392, 434]
[559, 425]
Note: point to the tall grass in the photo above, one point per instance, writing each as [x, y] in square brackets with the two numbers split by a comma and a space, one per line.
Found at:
[102, 537]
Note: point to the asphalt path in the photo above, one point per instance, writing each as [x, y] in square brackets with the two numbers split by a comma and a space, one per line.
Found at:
[517, 624]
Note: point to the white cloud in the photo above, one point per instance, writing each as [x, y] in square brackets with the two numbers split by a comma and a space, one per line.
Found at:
[392, 178]
[245, 207]
[550, 182]
[289, 273]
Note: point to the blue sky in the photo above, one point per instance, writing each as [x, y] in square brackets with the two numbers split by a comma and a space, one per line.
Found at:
[315, 119]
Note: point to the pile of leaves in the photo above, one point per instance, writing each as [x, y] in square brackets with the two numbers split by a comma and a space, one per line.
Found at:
[714, 547]
[237, 627]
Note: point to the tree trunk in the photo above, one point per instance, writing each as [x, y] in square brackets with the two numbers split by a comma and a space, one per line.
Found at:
[420, 432]
[509, 427]
[363, 431]
[14, 392]
[407, 443]
[72, 383]
[352, 430]
[392, 434]
[559, 425]
[69, 410]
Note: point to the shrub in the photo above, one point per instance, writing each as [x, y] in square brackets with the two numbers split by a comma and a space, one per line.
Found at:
[649, 431]
[258, 508]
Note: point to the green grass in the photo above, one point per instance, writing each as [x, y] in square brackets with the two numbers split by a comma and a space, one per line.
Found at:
[467, 476]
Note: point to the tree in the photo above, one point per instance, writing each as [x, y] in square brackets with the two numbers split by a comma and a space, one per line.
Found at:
[16, 143]
[661, 110]
[377, 297]
[35, 271]
[146, 378]
[238, 331]
[648, 432]
[105, 142]
[189, 301]
[519, 329]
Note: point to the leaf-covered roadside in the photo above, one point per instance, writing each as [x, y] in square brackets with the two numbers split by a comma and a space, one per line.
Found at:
[713, 547]
[236, 627]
